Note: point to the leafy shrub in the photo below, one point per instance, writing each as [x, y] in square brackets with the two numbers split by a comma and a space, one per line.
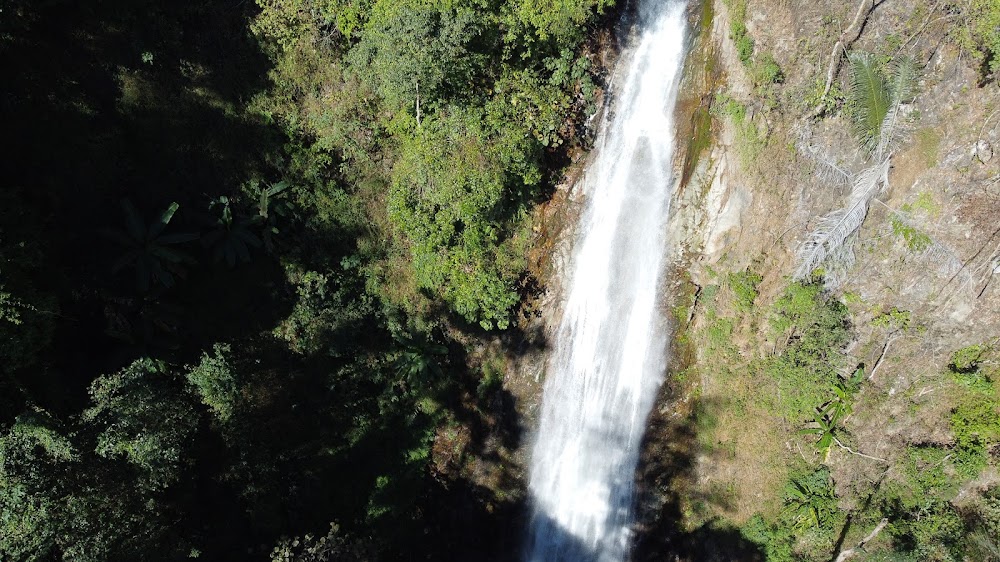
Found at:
[329, 309]
[810, 501]
[744, 48]
[966, 360]
[805, 528]
[738, 31]
[981, 34]
[767, 70]
[894, 319]
[915, 239]
[215, 382]
[749, 139]
[816, 329]
[922, 522]
[492, 377]
[777, 540]
[976, 425]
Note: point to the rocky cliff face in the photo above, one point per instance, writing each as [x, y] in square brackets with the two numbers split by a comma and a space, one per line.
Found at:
[795, 399]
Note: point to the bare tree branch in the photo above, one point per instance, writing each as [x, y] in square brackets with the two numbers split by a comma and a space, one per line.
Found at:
[844, 42]
[861, 545]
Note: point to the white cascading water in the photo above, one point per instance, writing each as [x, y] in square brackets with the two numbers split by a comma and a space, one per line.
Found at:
[609, 357]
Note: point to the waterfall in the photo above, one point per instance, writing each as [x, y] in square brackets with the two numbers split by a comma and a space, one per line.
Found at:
[609, 355]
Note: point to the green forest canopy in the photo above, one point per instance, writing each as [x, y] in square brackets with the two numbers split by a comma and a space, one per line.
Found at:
[236, 245]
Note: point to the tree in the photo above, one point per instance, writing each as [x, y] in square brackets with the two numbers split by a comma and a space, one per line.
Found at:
[27, 312]
[334, 546]
[561, 19]
[878, 116]
[33, 455]
[142, 415]
[415, 52]
[449, 198]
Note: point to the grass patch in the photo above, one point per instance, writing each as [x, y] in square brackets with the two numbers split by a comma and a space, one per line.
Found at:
[762, 67]
[750, 141]
[929, 144]
[915, 239]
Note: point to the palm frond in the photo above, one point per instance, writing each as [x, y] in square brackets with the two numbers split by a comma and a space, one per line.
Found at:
[902, 89]
[870, 99]
[121, 237]
[904, 80]
[839, 263]
[826, 169]
[831, 173]
[835, 230]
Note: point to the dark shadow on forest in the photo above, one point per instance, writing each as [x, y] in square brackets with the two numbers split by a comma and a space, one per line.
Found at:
[139, 101]
[666, 469]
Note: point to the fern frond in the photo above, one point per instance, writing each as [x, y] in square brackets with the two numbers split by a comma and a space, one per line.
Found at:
[870, 99]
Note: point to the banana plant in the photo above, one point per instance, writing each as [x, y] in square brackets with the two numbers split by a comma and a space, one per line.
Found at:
[830, 414]
[148, 248]
[826, 420]
[232, 238]
[846, 389]
[270, 206]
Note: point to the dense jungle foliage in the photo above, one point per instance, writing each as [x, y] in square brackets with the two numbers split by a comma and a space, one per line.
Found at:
[238, 246]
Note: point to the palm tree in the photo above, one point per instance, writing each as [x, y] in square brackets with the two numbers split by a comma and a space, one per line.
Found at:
[148, 248]
[878, 117]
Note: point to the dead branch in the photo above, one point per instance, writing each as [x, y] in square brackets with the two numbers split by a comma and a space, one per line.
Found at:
[853, 452]
[927, 22]
[844, 42]
[861, 545]
[878, 362]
